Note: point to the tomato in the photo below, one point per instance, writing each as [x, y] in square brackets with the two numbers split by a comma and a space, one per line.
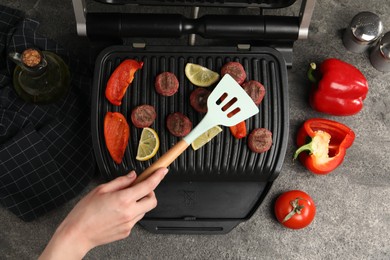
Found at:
[120, 80]
[295, 209]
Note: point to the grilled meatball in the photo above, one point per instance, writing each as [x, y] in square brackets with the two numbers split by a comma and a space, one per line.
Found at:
[234, 69]
[166, 84]
[198, 99]
[178, 124]
[143, 116]
[260, 140]
[255, 90]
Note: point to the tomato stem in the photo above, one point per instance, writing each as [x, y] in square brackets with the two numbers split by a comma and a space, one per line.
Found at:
[297, 209]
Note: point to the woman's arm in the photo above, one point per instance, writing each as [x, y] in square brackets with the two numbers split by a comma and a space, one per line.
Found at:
[106, 214]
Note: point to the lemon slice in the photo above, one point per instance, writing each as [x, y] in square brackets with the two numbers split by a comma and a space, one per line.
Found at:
[205, 137]
[200, 76]
[148, 144]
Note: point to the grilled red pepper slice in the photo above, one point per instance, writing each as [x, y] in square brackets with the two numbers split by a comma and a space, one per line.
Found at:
[120, 80]
[338, 88]
[116, 135]
[239, 130]
[329, 142]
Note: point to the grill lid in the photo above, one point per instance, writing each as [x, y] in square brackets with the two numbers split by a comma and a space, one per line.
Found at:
[254, 27]
[117, 24]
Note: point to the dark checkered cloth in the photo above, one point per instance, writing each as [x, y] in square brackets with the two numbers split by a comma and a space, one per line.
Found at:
[46, 155]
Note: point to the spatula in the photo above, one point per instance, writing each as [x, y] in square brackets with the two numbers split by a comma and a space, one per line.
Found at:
[227, 105]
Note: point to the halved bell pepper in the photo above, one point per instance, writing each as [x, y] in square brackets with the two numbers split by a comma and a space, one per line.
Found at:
[338, 88]
[328, 145]
[239, 130]
[120, 80]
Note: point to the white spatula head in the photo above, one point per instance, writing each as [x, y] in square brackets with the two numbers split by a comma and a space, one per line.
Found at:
[229, 104]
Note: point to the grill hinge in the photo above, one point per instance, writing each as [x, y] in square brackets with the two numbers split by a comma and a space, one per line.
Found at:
[243, 47]
[139, 45]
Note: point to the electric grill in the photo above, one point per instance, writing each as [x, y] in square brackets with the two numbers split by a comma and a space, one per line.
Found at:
[213, 189]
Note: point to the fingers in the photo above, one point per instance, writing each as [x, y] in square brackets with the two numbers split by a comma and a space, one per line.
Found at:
[143, 188]
[118, 183]
[135, 220]
[138, 218]
[143, 206]
[147, 203]
[127, 227]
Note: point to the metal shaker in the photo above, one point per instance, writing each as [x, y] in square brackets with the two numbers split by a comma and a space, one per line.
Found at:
[364, 29]
[380, 55]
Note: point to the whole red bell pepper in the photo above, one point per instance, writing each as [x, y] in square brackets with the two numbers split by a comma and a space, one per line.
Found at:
[338, 88]
[329, 142]
[120, 80]
[239, 130]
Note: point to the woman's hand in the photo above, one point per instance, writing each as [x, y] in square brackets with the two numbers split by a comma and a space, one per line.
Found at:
[106, 214]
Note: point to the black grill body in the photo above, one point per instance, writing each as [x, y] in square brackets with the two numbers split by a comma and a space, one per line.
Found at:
[212, 189]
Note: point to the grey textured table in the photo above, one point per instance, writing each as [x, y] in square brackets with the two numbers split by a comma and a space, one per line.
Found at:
[353, 205]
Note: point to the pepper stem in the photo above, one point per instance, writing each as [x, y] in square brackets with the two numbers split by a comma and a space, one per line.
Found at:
[306, 147]
[319, 145]
[311, 73]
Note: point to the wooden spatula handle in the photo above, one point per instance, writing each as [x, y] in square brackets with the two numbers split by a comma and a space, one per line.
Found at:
[163, 161]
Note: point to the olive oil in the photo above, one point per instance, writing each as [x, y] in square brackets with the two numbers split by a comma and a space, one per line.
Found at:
[40, 77]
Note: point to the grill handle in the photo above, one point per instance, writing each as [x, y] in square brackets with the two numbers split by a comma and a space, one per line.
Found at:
[119, 26]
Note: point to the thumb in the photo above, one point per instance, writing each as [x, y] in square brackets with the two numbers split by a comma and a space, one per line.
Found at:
[119, 183]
